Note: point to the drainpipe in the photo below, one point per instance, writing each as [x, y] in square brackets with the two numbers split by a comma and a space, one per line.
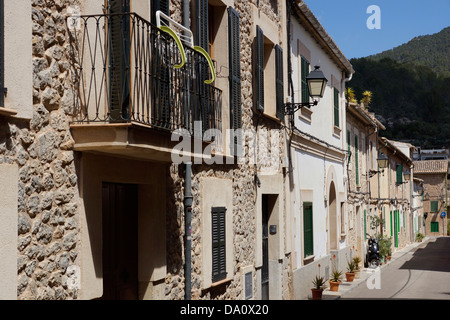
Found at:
[187, 230]
[187, 193]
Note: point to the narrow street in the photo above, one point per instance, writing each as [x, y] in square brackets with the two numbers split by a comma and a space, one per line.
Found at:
[421, 273]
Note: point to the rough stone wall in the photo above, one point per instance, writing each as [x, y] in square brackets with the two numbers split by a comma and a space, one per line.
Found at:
[244, 193]
[47, 224]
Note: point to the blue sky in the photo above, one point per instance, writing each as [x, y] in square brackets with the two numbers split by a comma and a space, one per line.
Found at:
[401, 20]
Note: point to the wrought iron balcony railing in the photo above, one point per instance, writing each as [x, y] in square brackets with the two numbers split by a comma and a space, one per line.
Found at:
[123, 72]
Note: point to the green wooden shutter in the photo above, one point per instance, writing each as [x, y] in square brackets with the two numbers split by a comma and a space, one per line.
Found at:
[308, 235]
[365, 224]
[399, 172]
[218, 243]
[356, 161]
[336, 107]
[349, 146]
[434, 206]
[304, 65]
[234, 50]
[392, 233]
[2, 55]
[279, 84]
[434, 226]
[259, 65]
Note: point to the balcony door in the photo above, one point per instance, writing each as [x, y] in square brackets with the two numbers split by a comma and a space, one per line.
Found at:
[120, 241]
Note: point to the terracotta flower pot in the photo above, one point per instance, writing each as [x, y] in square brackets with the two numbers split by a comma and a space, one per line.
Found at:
[334, 286]
[350, 276]
[317, 294]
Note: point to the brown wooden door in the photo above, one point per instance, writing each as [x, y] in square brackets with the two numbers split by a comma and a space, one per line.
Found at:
[120, 241]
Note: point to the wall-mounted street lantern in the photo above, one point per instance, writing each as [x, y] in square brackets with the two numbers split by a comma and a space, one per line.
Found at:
[316, 84]
[382, 161]
[407, 175]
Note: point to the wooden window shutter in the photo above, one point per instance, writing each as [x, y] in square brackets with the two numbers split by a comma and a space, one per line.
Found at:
[349, 146]
[2, 55]
[218, 243]
[308, 234]
[399, 174]
[159, 5]
[119, 60]
[202, 29]
[304, 73]
[259, 65]
[234, 52]
[434, 206]
[279, 84]
[336, 107]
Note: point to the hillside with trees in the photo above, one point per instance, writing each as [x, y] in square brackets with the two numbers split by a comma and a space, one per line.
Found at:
[410, 98]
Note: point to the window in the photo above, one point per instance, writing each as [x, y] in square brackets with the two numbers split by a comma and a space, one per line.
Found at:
[365, 224]
[269, 75]
[356, 161]
[308, 229]
[218, 243]
[399, 170]
[434, 226]
[434, 206]
[336, 107]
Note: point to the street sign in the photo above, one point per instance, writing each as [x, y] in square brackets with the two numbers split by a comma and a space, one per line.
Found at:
[443, 214]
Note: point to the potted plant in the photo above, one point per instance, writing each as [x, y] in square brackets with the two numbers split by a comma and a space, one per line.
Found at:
[335, 280]
[419, 237]
[356, 262]
[385, 248]
[319, 285]
[350, 274]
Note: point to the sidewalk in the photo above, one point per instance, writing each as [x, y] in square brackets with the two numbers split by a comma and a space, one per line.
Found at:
[367, 272]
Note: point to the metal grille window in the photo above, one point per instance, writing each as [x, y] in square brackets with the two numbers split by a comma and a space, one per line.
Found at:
[218, 243]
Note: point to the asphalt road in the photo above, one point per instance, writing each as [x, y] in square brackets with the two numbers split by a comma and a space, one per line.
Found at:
[422, 273]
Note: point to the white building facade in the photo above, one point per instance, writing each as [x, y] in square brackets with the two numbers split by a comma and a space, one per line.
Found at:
[318, 154]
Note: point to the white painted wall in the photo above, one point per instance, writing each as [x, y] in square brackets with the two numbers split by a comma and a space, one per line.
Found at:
[322, 118]
[312, 169]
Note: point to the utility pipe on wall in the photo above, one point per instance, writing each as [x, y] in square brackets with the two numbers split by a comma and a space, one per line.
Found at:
[187, 230]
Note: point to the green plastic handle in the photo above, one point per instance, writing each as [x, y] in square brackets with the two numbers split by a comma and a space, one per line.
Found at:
[178, 42]
[211, 65]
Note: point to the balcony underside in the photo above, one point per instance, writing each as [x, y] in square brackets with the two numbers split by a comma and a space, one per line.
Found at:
[128, 140]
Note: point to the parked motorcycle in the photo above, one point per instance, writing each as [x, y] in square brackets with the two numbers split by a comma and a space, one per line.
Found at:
[373, 253]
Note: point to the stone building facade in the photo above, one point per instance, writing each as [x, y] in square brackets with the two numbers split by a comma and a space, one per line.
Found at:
[65, 180]
[434, 175]
[362, 201]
